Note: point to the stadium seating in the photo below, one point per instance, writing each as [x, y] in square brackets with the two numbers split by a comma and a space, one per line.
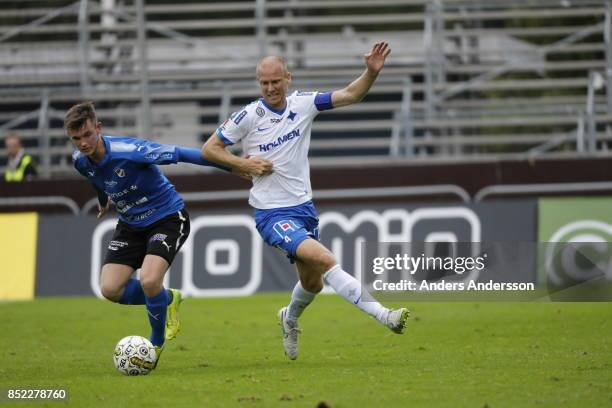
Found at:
[467, 80]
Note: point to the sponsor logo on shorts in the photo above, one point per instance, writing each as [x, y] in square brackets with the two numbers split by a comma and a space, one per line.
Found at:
[116, 245]
[282, 227]
[161, 238]
[286, 226]
[158, 237]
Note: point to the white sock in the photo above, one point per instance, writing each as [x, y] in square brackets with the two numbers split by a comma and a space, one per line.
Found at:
[350, 289]
[300, 298]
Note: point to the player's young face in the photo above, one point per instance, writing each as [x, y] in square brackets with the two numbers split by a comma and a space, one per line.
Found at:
[86, 139]
[273, 82]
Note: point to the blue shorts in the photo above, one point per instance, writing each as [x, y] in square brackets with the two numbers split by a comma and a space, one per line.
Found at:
[285, 228]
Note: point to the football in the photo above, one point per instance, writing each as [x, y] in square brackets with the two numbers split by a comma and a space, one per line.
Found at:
[134, 355]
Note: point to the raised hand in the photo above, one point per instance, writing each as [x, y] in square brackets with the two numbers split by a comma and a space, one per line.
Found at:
[375, 59]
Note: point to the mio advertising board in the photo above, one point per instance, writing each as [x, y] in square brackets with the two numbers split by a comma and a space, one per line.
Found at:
[225, 256]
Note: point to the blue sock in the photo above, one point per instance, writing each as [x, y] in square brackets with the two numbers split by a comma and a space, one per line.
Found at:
[132, 293]
[156, 309]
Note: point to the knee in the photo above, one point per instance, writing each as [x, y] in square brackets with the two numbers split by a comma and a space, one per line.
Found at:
[325, 260]
[315, 256]
[111, 292]
[150, 285]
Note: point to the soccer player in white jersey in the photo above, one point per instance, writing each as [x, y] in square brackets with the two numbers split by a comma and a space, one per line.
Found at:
[277, 127]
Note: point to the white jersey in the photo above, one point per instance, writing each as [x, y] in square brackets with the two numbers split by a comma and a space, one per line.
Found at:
[283, 137]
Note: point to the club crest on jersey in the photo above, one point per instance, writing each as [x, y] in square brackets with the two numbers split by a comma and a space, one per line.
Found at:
[120, 172]
[260, 112]
[291, 115]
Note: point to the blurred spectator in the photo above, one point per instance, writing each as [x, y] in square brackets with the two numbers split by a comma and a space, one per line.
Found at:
[20, 166]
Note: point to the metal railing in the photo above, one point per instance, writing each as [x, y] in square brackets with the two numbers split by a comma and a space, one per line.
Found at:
[118, 56]
[382, 192]
[438, 64]
[538, 189]
[41, 201]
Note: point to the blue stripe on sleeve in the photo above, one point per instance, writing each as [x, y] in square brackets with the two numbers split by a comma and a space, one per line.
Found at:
[323, 101]
[223, 138]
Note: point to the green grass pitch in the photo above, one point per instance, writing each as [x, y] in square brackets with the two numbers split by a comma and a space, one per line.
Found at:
[229, 353]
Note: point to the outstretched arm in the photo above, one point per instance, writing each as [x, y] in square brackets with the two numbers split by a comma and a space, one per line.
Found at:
[194, 156]
[156, 153]
[357, 90]
[214, 150]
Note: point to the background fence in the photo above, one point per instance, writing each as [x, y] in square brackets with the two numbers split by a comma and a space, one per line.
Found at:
[466, 81]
